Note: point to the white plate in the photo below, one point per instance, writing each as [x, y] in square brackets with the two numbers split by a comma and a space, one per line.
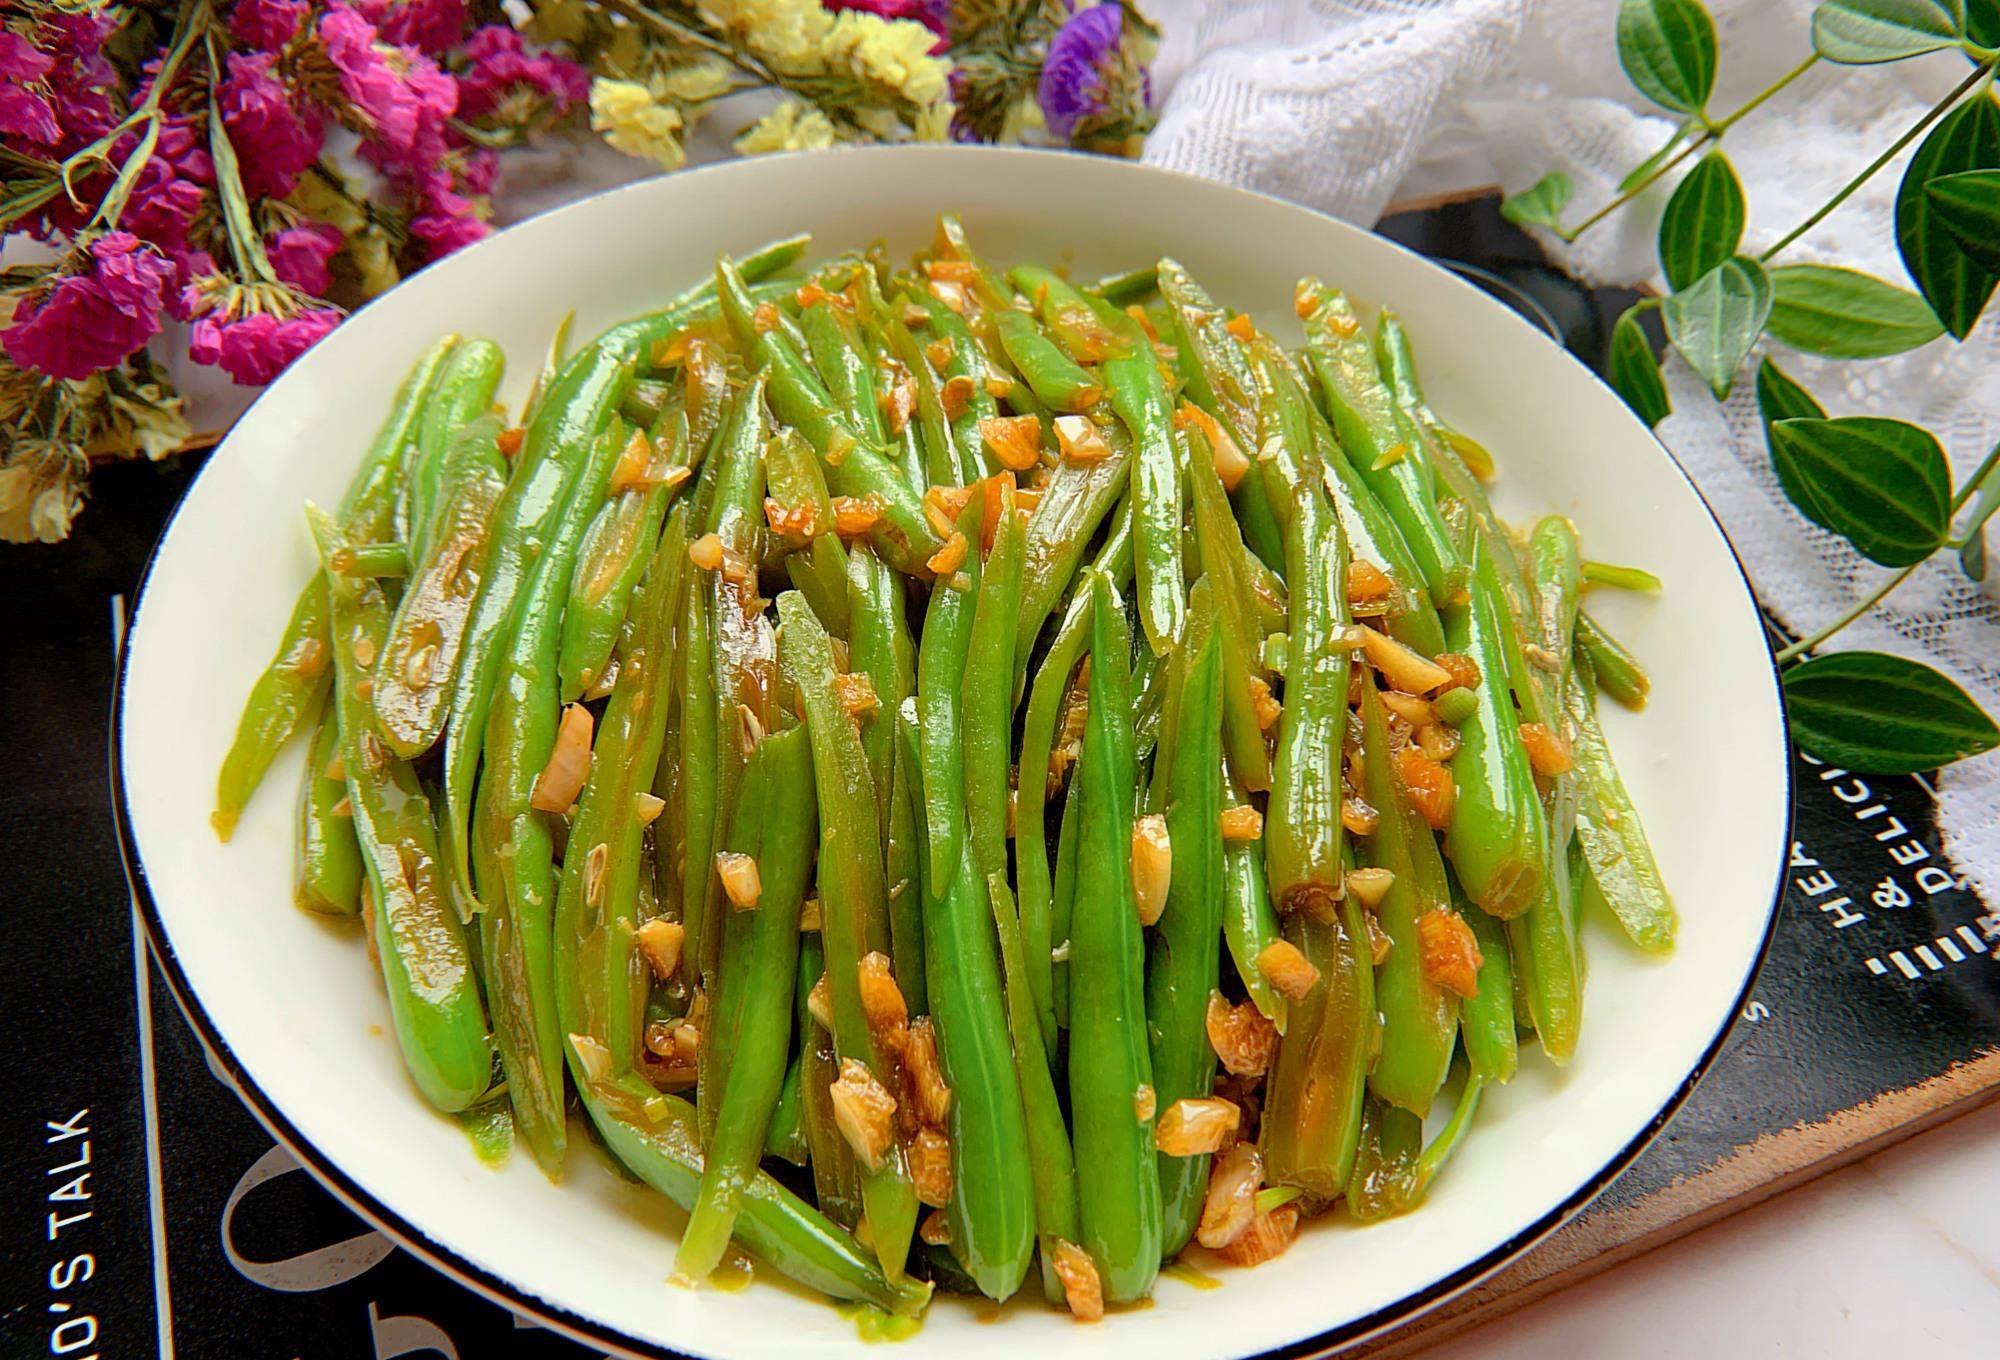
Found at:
[294, 1012]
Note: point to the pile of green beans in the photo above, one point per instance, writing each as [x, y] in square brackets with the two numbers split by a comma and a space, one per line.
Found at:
[963, 776]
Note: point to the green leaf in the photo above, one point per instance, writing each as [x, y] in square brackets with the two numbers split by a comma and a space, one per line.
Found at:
[1690, 128]
[1845, 314]
[1967, 138]
[1968, 204]
[1667, 48]
[1634, 372]
[1863, 32]
[1880, 714]
[1985, 500]
[1715, 320]
[1982, 22]
[1541, 204]
[1883, 485]
[1780, 398]
[1703, 223]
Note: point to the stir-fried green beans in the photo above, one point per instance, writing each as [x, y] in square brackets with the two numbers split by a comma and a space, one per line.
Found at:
[770, 876]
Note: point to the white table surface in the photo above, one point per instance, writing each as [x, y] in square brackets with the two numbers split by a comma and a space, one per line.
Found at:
[1894, 1258]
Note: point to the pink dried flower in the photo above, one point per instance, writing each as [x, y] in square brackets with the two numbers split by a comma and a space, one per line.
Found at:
[21, 62]
[300, 255]
[447, 220]
[433, 26]
[256, 348]
[266, 25]
[27, 116]
[498, 62]
[273, 141]
[94, 319]
[400, 93]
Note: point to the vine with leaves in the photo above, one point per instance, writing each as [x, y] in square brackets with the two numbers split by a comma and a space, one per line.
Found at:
[1882, 485]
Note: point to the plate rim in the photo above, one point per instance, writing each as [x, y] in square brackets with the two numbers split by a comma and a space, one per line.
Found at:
[518, 1298]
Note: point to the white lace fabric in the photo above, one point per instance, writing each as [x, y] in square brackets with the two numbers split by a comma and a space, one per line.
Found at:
[1348, 105]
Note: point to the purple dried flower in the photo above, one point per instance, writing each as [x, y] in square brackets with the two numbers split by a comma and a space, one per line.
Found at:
[273, 141]
[1072, 85]
[92, 320]
[266, 25]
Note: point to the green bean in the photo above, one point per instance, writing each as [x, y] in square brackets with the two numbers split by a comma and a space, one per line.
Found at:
[786, 1138]
[1364, 416]
[819, 571]
[1497, 838]
[1139, 396]
[1542, 939]
[328, 878]
[1372, 536]
[599, 992]
[903, 856]
[516, 931]
[1486, 1018]
[853, 902]
[1555, 580]
[1217, 378]
[288, 692]
[1302, 836]
[744, 651]
[844, 364]
[1222, 555]
[986, 706]
[609, 562]
[555, 449]
[1386, 1164]
[1076, 498]
[760, 957]
[1618, 672]
[552, 363]
[1110, 1069]
[1054, 378]
[991, 1211]
[647, 400]
[1062, 907]
[700, 772]
[1608, 830]
[1249, 925]
[1038, 725]
[374, 561]
[464, 393]
[1313, 1100]
[1419, 1018]
[1051, 1160]
[1621, 578]
[415, 680]
[653, 1134]
[941, 652]
[946, 461]
[1133, 285]
[1182, 961]
[1431, 1164]
[880, 647]
[1399, 369]
[964, 361]
[426, 966]
[294, 685]
[855, 467]
[836, 1175]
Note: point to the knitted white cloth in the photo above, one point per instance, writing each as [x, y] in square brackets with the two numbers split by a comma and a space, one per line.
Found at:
[1349, 105]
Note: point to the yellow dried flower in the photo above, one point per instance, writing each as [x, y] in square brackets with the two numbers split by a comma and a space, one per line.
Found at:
[694, 84]
[787, 33]
[635, 122]
[895, 53]
[792, 126]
